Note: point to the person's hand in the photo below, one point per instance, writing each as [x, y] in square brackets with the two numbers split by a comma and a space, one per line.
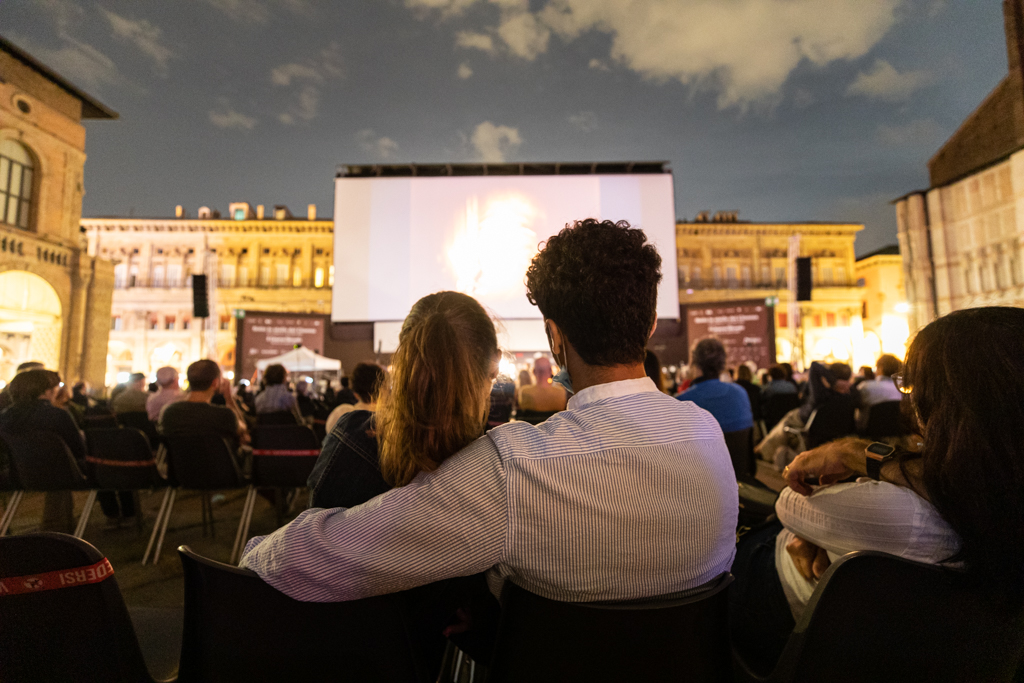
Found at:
[810, 560]
[829, 463]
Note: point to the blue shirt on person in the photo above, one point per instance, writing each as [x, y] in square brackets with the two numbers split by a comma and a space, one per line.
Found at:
[727, 403]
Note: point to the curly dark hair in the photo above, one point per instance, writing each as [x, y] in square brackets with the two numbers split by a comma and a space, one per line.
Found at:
[598, 281]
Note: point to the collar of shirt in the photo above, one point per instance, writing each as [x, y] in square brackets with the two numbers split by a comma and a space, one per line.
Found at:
[623, 387]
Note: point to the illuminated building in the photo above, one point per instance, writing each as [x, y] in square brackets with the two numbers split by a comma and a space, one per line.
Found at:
[260, 262]
[885, 308]
[54, 297]
[722, 258]
[961, 239]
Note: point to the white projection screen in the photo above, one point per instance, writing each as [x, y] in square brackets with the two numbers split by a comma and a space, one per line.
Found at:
[398, 239]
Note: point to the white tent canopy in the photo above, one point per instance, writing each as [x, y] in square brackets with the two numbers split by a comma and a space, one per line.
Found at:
[301, 360]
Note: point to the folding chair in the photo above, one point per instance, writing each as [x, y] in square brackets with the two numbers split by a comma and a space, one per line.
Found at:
[239, 628]
[201, 462]
[99, 417]
[884, 420]
[833, 420]
[741, 449]
[62, 617]
[282, 457]
[276, 418]
[657, 639]
[121, 460]
[775, 408]
[43, 462]
[877, 617]
[140, 420]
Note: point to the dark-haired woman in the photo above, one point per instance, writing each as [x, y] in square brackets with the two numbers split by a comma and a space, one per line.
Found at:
[955, 499]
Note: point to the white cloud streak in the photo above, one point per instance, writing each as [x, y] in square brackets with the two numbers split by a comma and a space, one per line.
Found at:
[465, 71]
[307, 78]
[883, 82]
[382, 147]
[493, 144]
[143, 35]
[224, 116]
[585, 121]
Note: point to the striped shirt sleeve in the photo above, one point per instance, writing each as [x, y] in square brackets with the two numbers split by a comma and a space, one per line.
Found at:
[446, 523]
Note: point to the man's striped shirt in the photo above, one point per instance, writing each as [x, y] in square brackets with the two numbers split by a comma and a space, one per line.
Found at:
[626, 494]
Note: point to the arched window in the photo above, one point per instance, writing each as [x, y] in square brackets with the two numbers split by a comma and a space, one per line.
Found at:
[16, 171]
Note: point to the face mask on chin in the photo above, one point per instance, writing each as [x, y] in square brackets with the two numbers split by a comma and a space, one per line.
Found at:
[562, 378]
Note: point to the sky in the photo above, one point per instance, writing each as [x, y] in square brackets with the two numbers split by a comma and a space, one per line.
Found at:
[783, 110]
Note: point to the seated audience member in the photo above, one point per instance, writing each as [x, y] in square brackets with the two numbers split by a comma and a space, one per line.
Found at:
[824, 382]
[194, 414]
[727, 402]
[503, 401]
[652, 366]
[543, 396]
[525, 379]
[134, 397]
[863, 375]
[167, 391]
[5, 394]
[626, 494]
[80, 394]
[744, 378]
[62, 399]
[345, 394]
[32, 410]
[435, 404]
[879, 389]
[303, 399]
[367, 381]
[777, 384]
[956, 501]
[276, 397]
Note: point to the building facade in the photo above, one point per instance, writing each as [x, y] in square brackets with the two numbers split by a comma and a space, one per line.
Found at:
[722, 258]
[54, 296]
[885, 307]
[253, 261]
[962, 239]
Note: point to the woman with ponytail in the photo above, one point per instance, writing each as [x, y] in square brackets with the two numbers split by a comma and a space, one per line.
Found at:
[434, 403]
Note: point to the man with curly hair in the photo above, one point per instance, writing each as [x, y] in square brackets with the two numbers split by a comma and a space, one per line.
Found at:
[626, 494]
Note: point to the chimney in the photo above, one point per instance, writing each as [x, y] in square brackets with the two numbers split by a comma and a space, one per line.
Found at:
[311, 212]
[179, 211]
[259, 211]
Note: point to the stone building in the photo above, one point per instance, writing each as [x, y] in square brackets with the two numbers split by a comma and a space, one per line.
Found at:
[885, 308]
[722, 258]
[257, 261]
[961, 239]
[54, 296]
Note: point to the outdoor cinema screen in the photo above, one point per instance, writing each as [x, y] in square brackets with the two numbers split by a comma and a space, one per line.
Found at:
[398, 239]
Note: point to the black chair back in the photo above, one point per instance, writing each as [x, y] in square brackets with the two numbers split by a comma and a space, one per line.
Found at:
[532, 416]
[8, 478]
[76, 632]
[238, 628]
[682, 639]
[775, 408]
[99, 417]
[741, 449]
[121, 460]
[43, 462]
[885, 419]
[283, 455]
[203, 462]
[876, 617]
[140, 420]
[280, 417]
[833, 419]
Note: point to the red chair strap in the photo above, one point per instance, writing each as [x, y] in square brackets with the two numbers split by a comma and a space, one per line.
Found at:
[120, 463]
[63, 578]
[271, 451]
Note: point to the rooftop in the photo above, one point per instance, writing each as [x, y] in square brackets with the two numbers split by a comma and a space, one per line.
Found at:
[553, 168]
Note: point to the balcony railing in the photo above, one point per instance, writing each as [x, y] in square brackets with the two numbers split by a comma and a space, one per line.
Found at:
[711, 283]
[142, 284]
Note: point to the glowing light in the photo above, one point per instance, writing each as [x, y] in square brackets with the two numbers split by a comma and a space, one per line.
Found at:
[506, 367]
[490, 255]
[229, 375]
[122, 377]
[902, 307]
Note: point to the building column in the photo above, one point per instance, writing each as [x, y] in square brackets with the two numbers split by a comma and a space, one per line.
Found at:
[97, 328]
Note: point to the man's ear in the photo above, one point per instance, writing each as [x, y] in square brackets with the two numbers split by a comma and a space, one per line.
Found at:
[653, 328]
[555, 338]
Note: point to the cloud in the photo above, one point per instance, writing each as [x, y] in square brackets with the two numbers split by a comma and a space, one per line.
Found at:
[883, 82]
[494, 143]
[257, 11]
[378, 147]
[224, 116]
[79, 62]
[307, 78]
[465, 71]
[742, 50]
[475, 41]
[524, 35]
[586, 121]
[144, 35]
[921, 132]
[596, 63]
[447, 7]
[803, 99]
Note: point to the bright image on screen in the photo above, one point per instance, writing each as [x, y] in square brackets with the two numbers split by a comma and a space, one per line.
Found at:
[398, 239]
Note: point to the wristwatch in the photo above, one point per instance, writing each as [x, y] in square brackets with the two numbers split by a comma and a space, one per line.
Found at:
[876, 455]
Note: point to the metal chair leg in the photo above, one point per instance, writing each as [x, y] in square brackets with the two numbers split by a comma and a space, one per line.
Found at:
[243, 524]
[83, 520]
[12, 508]
[163, 529]
[156, 524]
[137, 501]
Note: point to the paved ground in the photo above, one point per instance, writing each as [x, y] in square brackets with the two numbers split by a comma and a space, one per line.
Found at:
[155, 593]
